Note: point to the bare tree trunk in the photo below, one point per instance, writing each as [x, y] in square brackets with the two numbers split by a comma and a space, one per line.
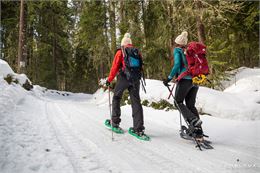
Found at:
[171, 39]
[112, 19]
[21, 45]
[201, 30]
[1, 41]
[258, 61]
[102, 70]
[54, 57]
[200, 25]
[171, 13]
[29, 51]
[144, 7]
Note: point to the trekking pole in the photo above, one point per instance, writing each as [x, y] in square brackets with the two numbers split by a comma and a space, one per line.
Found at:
[181, 118]
[110, 112]
[175, 102]
[171, 91]
[143, 85]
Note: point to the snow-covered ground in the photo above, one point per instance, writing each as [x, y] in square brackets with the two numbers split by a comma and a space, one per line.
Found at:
[48, 131]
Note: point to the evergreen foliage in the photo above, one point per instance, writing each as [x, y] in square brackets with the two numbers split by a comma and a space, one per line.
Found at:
[70, 44]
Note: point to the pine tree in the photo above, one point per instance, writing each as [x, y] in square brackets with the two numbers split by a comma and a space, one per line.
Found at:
[22, 42]
[9, 32]
[70, 45]
[50, 48]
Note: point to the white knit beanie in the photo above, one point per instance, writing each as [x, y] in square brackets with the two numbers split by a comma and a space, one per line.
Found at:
[126, 40]
[182, 39]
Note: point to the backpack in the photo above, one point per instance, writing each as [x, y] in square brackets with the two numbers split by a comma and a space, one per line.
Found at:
[197, 62]
[133, 63]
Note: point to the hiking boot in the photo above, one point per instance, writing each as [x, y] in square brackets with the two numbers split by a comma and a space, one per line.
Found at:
[198, 133]
[108, 123]
[137, 132]
[115, 127]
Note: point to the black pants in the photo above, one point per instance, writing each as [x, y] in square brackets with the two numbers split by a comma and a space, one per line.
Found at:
[137, 110]
[185, 90]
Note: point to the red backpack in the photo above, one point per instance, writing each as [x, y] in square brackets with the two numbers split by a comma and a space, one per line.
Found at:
[197, 62]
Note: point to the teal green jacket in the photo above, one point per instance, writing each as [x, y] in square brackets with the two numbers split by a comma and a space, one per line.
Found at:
[179, 61]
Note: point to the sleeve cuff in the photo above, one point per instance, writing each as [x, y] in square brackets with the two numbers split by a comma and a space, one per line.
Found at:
[109, 79]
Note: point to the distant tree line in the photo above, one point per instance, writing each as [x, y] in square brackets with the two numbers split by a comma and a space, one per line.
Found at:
[69, 45]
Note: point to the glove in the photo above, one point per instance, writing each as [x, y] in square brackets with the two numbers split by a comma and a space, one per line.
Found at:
[166, 81]
[107, 83]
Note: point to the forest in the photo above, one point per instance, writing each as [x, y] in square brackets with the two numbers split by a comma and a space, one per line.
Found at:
[70, 45]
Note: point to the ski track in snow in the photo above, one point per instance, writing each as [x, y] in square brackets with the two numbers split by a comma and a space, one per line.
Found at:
[75, 134]
[28, 143]
[79, 149]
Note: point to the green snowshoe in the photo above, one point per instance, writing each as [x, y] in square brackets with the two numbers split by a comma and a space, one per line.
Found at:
[138, 135]
[115, 129]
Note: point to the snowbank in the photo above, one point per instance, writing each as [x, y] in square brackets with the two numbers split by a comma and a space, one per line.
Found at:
[155, 91]
[240, 100]
[10, 95]
[5, 69]
[238, 74]
[229, 105]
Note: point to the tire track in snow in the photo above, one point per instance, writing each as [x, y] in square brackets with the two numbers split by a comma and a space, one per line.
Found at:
[58, 136]
[84, 153]
[94, 151]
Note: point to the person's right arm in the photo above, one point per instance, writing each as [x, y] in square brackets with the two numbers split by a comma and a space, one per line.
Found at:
[117, 63]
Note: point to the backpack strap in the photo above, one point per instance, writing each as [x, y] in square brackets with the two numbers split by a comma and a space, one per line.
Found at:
[124, 55]
[123, 51]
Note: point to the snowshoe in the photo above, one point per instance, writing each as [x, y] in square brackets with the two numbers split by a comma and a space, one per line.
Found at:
[202, 143]
[138, 135]
[115, 129]
[189, 134]
[184, 133]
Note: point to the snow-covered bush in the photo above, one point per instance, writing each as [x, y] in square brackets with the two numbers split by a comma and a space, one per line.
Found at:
[11, 77]
[162, 105]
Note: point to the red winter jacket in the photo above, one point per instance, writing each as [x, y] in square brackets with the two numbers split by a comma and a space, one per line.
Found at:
[118, 63]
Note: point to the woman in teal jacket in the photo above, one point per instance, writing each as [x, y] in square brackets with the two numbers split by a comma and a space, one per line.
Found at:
[185, 90]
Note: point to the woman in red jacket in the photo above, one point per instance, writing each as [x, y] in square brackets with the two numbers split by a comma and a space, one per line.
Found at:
[127, 81]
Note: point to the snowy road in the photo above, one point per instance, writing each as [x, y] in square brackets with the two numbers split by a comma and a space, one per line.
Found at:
[66, 134]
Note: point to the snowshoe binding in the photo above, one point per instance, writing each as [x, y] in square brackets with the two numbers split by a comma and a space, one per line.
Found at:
[114, 128]
[139, 135]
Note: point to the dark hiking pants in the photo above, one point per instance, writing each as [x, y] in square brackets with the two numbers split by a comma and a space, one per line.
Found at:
[185, 90]
[137, 110]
